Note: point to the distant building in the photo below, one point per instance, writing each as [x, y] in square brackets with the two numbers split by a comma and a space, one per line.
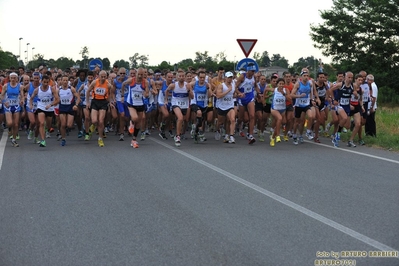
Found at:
[268, 71]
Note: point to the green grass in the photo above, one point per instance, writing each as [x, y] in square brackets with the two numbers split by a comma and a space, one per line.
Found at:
[387, 120]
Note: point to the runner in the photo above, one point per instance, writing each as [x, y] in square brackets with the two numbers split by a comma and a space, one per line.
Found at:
[47, 99]
[13, 100]
[278, 110]
[67, 107]
[138, 88]
[100, 89]
[181, 95]
[225, 94]
[245, 87]
[83, 102]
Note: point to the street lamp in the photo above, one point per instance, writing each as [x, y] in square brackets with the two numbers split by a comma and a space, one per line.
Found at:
[27, 53]
[20, 48]
[32, 56]
[26, 57]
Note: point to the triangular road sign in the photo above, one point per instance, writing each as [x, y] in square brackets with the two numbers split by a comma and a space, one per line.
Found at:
[247, 45]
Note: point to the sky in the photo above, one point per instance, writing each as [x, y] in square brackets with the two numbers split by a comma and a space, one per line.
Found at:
[168, 31]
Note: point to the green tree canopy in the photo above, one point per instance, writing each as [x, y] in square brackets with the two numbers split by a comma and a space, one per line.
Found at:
[361, 35]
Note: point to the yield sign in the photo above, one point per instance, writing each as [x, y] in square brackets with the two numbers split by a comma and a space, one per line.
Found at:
[247, 45]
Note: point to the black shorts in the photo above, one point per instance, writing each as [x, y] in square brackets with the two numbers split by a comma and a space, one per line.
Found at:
[224, 112]
[258, 106]
[183, 111]
[300, 110]
[267, 108]
[47, 113]
[289, 108]
[195, 108]
[67, 113]
[138, 108]
[357, 109]
[99, 105]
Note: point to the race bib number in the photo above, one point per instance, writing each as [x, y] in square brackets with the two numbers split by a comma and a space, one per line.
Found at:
[65, 101]
[303, 101]
[137, 96]
[46, 100]
[100, 91]
[247, 89]
[201, 97]
[344, 101]
[365, 98]
[228, 99]
[182, 104]
[13, 102]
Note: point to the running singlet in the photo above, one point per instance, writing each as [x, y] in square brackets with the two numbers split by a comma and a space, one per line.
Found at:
[13, 95]
[344, 95]
[135, 93]
[44, 98]
[180, 96]
[30, 92]
[227, 102]
[100, 91]
[303, 88]
[279, 100]
[200, 95]
[247, 87]
[66, 99]
[118, 89]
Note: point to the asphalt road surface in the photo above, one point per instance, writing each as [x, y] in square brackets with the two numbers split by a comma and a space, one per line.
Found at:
[200, 204]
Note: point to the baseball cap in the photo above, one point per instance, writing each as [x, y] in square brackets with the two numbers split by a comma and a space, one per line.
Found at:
[229, 74]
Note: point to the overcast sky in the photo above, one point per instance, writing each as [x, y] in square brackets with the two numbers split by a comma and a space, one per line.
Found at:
[164, 30]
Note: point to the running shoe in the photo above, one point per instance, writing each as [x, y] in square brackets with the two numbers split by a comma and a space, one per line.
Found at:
[42, 143]
[272, 141]
[261, 137]
[36, 141]
[351, 144]
[361, 142]
[30, 134]
[309, 135]
[251, 140]
[80, 134]
[121, 137]
[87, 137]
[295, 141]
[171, 134]
[106, 130]
[134, 144]
[242, 134]
[51, 130]
[278, 139]
[100, 143]
[92, 128]
[142, 136]
[316, 140]
[335, 142]
[177, 141]
[217, 135]
[14, 143]
[48, 135]
[232, 140]
[338, 136]
[286, 138]
[301, 139]
[63, 142]
[226, 139]
[162, 135]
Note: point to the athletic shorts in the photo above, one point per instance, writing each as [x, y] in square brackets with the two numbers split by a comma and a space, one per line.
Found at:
[138, 108]
[47, 113]
[357, 109]
[267, 108]
[195, 108]
[258, 106]
[224, 112]
[300, 110]
[99, 105]
[183, 111]
[12, 109]
[289, 108]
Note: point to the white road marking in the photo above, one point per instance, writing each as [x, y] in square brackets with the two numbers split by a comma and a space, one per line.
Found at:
[3, 146]
[309, 213]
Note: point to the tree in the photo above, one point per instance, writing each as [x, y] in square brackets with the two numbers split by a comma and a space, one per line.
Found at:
[278, 60]
[220, 57]
[361, 35]
[264, 60]
[64, 62]
[85, 55]
[106, 63]
[201, 58]
[7, 60]
[122, 63]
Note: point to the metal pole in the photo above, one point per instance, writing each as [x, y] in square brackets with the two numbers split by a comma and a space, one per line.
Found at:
[27, 53]
[20, 49]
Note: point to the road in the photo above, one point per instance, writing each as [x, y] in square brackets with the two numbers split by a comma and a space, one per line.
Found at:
[201, 204]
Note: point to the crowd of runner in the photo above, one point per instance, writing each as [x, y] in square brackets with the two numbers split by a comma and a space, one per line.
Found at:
[139, 102]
